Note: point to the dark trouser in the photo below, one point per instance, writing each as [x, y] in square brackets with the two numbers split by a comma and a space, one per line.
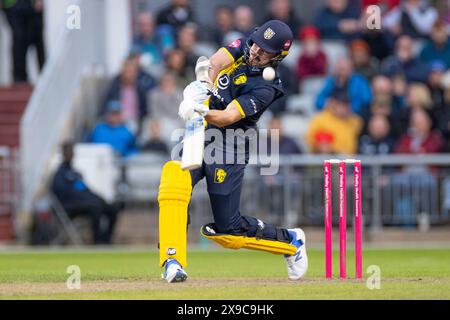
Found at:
[27, 28]
[224, 188]
[96, 209]
[37, 38]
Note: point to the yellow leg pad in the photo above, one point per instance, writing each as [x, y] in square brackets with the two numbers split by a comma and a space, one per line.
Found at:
[174, 195]
[238, 242]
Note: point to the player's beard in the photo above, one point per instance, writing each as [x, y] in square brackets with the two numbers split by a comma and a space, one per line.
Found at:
[255, 61]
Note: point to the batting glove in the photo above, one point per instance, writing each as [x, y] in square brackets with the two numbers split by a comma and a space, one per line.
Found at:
[188, 108]
[196, 91]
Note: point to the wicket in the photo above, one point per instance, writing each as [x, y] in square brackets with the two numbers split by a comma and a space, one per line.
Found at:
[328, 219]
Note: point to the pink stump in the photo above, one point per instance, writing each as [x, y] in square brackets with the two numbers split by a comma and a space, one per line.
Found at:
[358, 220]
[342, 221]
[327, 173]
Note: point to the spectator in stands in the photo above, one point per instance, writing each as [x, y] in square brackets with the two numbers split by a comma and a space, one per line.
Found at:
[152, 42]
[420, 137]
[176, 14]
[25, 18]
[114, 132]
[380, 41]
[377, 140]
[176, 63]
[364, 63]
[186, 41]
[323, 142]
[312, 61]
[338, 20]
[223, 24]
[389, 93]
[283, 11]
[384, 5]
[345, 79]
[155, 144]
[244, 23]
[418, 97]
[404, 63]
[436, 84]
[339, 121]
[287, 145]
[438, 47]
[442, 116]
[382, 106]
[165, 100]
[413, 18]
[132, 94]
[145, 80]
[444, 13]
[77, 199]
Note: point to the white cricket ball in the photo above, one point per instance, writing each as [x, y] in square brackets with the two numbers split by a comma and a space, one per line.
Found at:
[269, 73]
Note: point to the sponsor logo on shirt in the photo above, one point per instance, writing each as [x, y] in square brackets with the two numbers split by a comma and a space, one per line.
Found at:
[220, 175]
[240, 79]
[223, 82]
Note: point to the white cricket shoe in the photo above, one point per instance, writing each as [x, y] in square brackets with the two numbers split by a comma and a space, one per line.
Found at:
[297, 264]
[174, 271]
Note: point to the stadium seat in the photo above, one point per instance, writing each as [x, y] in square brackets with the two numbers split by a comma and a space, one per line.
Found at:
[294, 54]
[301, 103]
[312, 85]
[334, 50]
[295, 126]
[98, 165]
[142, 174]
[205, 49]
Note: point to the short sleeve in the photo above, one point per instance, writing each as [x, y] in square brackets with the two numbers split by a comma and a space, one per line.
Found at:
[235, 49]
[258, 99]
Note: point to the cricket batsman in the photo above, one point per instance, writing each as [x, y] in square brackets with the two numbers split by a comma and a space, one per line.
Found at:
[234, 96]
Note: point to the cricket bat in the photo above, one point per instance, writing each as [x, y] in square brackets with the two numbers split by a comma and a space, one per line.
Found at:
[194, 135]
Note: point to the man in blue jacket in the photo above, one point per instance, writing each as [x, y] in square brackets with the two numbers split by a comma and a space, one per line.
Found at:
[345, 79]
[114, 132]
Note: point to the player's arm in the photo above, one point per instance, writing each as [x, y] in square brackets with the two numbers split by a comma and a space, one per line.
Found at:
[220, 60]
[241, 107]
[223, 118]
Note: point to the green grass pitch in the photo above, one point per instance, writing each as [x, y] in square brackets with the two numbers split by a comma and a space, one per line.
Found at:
[221, 274]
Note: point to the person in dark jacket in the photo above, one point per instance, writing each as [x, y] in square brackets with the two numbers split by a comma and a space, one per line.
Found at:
[378, 139]
[338, 20]
[404, 63]
[26, 21]
[77, 199]
[282, 10]
[176, 14]
[130, 87]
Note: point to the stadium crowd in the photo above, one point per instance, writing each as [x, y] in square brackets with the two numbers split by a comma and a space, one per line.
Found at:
[387, 91]
[384, 96]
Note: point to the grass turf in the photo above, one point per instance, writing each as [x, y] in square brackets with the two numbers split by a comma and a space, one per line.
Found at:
[121, 274]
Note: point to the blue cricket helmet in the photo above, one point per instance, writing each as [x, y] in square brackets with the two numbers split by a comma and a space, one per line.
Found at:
[274, 36]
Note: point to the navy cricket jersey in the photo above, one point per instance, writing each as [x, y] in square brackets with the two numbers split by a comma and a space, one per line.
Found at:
[244, 85]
